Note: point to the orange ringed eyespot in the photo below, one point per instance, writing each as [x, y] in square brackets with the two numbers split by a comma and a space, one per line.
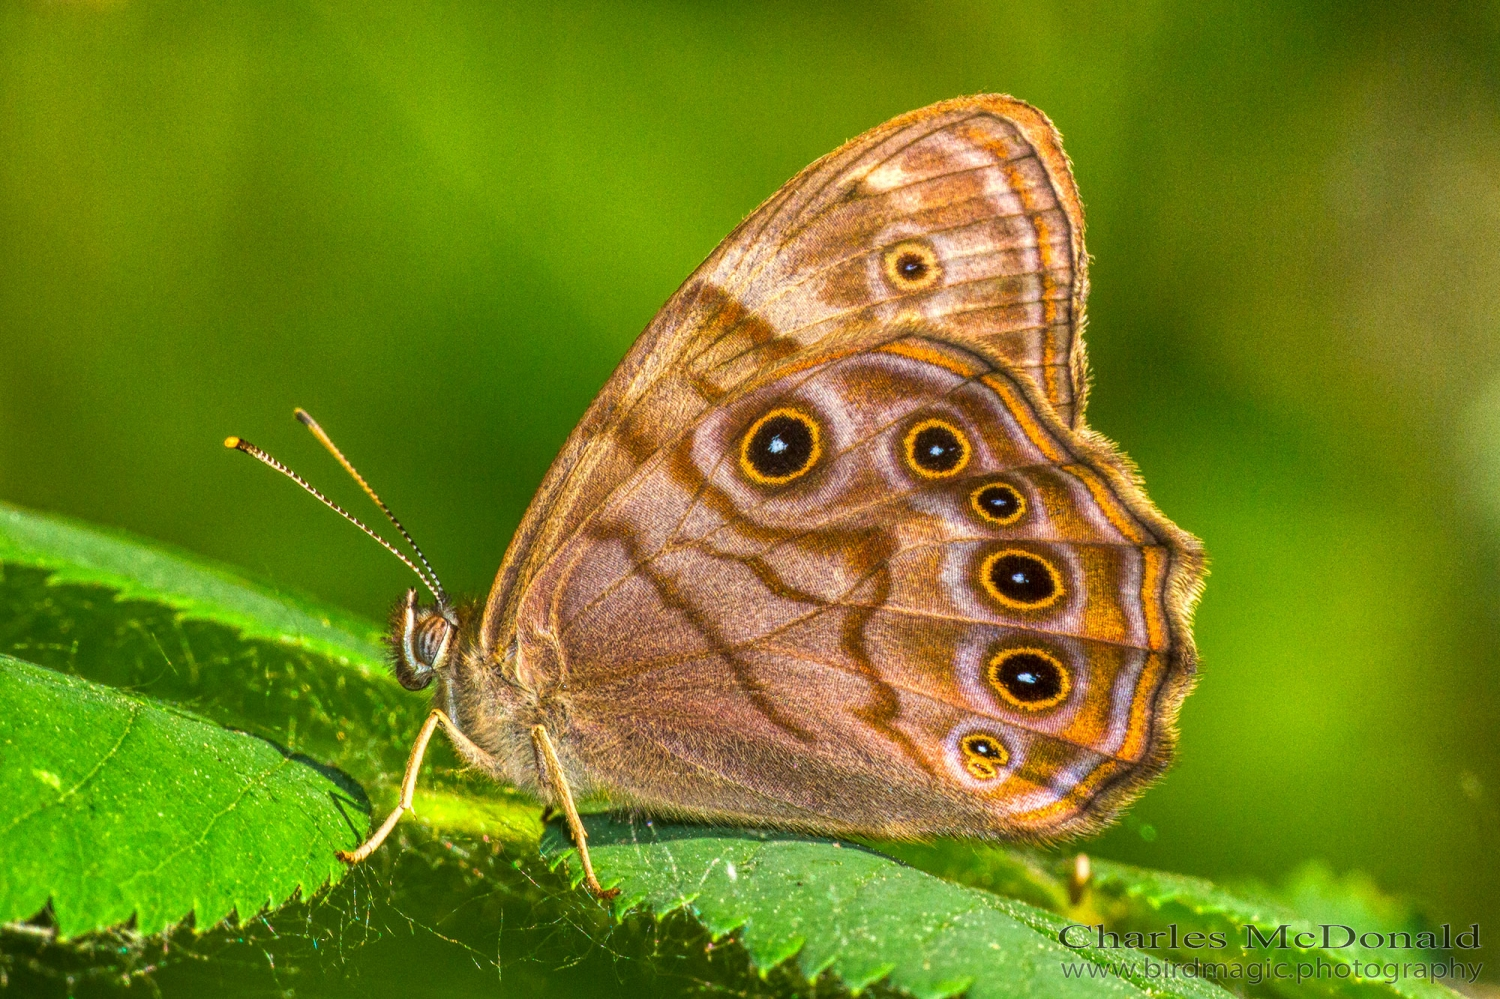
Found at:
[780, 446]
[1029, 678]
[984, 755]
[936, 449]
[999, 503]
[1020, 579]
[911, 265]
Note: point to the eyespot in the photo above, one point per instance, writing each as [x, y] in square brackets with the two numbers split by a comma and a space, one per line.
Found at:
[780, 446]
[998, 503]
[936, 449]
[983, 755]
[912, 266]
[1020, 579]
[1029, 679]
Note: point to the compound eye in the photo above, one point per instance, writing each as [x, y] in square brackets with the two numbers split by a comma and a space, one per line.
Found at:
[420, 641]
[431, 637]
[936, 449]
[780, 446]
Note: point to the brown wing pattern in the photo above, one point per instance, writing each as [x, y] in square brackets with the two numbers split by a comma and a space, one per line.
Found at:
[996, 644]
[961, 219]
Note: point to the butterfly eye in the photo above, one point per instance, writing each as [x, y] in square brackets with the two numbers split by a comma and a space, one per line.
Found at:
[998, 503]
[1030, 679]
[983, 755]
[780, 446]
[1020, 579]
[432, 635]
[936, 449]
[420, 640]
[912, 266]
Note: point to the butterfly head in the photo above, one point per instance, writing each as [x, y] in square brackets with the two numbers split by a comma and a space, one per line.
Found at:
[422, 640]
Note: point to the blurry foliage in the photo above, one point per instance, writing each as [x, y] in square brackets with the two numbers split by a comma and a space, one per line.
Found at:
[438, 229]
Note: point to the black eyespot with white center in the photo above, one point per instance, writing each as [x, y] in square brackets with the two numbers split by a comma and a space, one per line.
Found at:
[983, 755]
[1020, 579]
[1030, 679]
[780, 446]
[911, 265]
[936, 449]
[998, 503]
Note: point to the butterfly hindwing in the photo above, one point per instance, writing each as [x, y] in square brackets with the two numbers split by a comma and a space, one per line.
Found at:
[884, 589]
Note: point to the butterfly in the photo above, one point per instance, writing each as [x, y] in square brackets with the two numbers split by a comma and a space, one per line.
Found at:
[833, 550]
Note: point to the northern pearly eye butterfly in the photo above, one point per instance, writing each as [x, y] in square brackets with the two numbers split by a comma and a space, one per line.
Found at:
[833, 550]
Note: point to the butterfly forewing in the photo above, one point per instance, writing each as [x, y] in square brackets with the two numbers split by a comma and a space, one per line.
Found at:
[962, 217]
[951, 217]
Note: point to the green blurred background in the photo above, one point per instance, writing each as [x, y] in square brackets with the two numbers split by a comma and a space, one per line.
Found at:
[439, 227]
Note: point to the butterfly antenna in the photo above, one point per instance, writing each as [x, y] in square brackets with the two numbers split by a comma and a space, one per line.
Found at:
[240, 444]
[323, 438]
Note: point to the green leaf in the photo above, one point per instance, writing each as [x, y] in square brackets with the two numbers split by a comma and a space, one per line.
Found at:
[104, 607]
[111, 805]
[122, 611]
[1017, 872]
[1134, 899]
[849, 911]
[192, 587]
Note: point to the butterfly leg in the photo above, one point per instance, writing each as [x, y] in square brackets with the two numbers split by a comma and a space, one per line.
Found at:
[409, 780]
[547, 756]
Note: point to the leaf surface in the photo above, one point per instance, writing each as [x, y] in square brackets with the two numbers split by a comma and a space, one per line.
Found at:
[194, 588]
[120, 610]
[113, 806]
[861, 916]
